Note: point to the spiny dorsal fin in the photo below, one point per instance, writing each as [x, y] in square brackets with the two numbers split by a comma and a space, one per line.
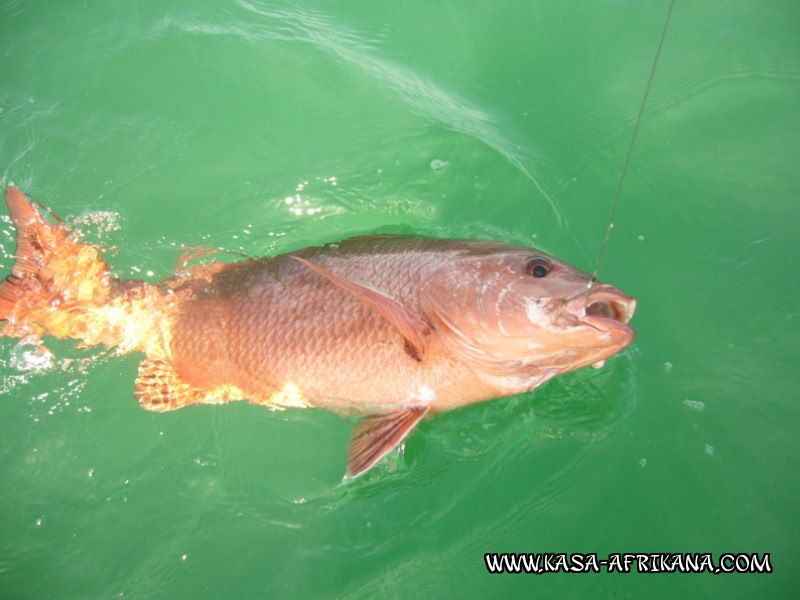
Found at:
[377, 435]
[159, 387]
[411, 326]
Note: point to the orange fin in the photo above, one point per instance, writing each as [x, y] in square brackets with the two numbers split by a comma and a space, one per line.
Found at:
[10, 292]
[377, 435]
[159, 387]
[411, 326]
[33, 234]
[56, 281]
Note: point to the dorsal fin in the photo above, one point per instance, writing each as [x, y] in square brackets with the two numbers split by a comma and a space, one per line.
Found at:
[377, 435]
[411, 326]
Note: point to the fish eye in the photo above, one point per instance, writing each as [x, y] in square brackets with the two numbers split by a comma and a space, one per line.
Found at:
[538, 267]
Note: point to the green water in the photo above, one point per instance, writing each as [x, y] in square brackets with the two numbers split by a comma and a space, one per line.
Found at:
[261, 127]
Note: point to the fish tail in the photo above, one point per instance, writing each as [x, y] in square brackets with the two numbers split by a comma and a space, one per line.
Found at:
[32, 231]
[53, 276]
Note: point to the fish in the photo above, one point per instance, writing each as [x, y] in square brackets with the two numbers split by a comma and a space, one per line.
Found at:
[390, 329]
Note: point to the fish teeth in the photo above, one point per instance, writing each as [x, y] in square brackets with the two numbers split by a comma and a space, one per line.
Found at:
[599, 364]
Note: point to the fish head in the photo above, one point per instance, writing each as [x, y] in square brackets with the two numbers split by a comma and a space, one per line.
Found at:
[523, 315]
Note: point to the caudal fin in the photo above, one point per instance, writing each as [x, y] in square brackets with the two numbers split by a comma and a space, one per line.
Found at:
[50, 270]
[35, 236]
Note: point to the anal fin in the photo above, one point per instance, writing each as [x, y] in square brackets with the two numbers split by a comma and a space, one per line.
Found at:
[159, 387]
[377, 435]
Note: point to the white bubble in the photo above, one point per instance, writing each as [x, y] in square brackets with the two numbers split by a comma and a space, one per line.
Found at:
[697, 405]
[709, 449]
[643, 462]
[668, 366]
[438, 164]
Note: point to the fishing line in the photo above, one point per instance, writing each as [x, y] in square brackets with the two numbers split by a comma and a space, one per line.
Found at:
[630, 146]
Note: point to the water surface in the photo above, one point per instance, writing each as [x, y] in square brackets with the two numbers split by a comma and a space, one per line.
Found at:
[260, 127]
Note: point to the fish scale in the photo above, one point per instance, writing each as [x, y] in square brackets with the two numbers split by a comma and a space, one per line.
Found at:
[319, 324]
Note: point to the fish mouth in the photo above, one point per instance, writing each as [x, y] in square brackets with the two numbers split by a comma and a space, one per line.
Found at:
[612, 309]
[604, 308]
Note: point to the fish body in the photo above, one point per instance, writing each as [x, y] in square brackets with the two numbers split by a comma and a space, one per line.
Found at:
[285, 334]
[388, 328]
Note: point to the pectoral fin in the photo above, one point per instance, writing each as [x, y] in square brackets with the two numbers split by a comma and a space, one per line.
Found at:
[411, 326]
[377, 435]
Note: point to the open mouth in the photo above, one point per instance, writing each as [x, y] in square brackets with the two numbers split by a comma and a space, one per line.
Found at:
[604, 308]
[615, 310]
[608, 310]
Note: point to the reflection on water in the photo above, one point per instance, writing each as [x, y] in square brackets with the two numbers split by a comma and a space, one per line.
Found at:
[421, 95]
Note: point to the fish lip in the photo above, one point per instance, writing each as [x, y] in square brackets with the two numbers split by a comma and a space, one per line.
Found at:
[625, 331]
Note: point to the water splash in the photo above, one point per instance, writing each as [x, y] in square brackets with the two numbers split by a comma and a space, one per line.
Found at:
[29, 355]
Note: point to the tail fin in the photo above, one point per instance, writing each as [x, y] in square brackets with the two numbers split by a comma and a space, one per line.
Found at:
[34, 235]
[50, 269]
